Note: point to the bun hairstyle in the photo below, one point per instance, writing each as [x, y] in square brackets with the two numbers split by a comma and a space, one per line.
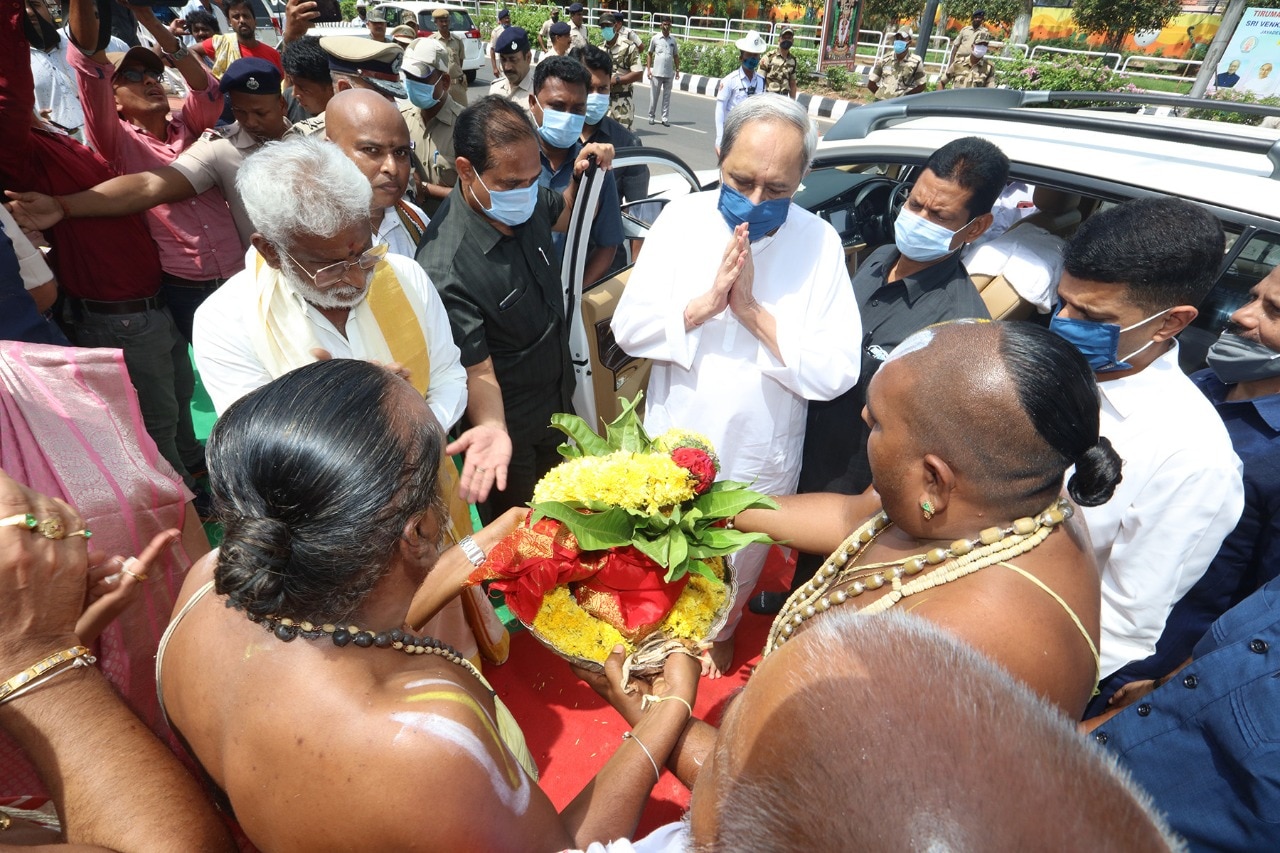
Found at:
[314, 478]
[1057, 390]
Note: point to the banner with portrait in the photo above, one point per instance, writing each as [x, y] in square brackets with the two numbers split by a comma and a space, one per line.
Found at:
[1251, 62]
[840, 24]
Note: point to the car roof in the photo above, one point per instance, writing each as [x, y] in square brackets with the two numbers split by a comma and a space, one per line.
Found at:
[1146, 152]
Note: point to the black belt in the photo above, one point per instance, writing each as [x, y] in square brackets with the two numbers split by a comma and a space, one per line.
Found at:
[208, 284]
[125, 306]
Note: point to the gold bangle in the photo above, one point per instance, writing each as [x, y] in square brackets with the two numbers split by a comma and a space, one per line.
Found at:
[47, 668]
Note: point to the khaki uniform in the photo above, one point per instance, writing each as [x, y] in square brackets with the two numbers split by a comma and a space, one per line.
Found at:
[578, 35]
[896, 78]
[964, 42]
[963, 74]
[433, 147]
[626, 58]
[778, 72]
[520, 95]
[544, 33]
[310, 126]
[625, 33]
[457, 79]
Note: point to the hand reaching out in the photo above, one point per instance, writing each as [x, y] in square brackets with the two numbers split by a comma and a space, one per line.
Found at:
[487, 449]
[115, 583]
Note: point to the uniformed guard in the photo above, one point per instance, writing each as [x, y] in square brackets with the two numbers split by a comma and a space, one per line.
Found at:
[578, 27]
[404, 34]
[627, 69]
[778, 66]
[431, 115]
[968, 36]
[360, 63]
[457, 50]
[974, 71]
[376, 21]
[515, 59]
[899, 73]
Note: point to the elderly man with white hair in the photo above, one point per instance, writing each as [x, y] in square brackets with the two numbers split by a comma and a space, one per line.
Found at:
[758, 319]
[317, 285]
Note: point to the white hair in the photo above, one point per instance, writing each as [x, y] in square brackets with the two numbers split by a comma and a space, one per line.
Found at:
[302, 185]
[769, 107]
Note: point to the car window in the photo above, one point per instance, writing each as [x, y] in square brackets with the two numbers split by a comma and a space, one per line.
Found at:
[1259, 253]
[459, 23]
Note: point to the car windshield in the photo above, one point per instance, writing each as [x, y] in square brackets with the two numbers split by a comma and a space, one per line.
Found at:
[459, 22]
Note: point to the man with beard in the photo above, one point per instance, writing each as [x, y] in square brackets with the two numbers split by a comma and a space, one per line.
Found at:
[241, 43]
[254, 89]
[318, 285]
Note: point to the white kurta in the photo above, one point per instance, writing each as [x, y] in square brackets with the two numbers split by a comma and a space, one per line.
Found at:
[230, 368]
[1181, 494]
[718, 379]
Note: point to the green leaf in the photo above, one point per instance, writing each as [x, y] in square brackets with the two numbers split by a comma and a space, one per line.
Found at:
[627, 432]
[728, 502]
[723, 546]
[655, 549]
[577, 429]
[679, 570]
[679, 547]
[700, 568]
[595, 531]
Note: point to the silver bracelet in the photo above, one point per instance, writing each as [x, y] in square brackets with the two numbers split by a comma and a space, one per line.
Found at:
[657, 774]
[473, 551]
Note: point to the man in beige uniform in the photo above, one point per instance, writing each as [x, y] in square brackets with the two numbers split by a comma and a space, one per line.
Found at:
[974, 71]
[515, 58]
[628, 68]
[457, 50]
[425, 71]
[544, 33]
[969, 35]
[577, 27]
[900, 73]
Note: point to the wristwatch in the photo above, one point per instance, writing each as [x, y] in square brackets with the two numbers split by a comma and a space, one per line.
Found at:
[473, 551]
[178, 55]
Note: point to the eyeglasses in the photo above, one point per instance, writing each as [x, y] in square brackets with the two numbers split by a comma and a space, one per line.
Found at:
[132, 75]
[333, 274]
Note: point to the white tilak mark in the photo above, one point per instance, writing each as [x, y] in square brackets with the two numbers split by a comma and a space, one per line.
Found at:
[433, 725]
[423, 682]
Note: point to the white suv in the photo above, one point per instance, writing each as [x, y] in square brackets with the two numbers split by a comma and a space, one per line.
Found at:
[415, 13]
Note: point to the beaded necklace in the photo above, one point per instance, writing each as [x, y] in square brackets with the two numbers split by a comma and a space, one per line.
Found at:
[993, 545]
[288, 630]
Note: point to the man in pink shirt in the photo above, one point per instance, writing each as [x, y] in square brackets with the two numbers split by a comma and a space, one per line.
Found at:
[127, 120]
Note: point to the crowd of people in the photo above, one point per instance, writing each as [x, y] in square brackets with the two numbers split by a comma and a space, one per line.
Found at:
[1068, 529]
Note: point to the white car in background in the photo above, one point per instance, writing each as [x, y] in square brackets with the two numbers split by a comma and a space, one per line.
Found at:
[418, 14]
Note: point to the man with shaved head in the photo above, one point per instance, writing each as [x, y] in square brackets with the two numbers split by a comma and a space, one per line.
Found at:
[372, 133]
[826, 749]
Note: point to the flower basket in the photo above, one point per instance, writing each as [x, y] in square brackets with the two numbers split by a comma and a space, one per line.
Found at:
[625, 545]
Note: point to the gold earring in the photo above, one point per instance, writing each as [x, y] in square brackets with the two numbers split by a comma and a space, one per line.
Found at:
[927, 508]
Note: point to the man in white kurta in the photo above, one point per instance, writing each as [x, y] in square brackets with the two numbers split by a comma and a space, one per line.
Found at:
[742, 371]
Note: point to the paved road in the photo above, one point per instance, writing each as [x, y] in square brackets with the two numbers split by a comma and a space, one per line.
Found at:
[692, 133]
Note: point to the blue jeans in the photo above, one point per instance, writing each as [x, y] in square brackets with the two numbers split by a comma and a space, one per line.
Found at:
[156, 357]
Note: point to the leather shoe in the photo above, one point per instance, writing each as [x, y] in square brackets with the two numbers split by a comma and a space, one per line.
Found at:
[767, 603]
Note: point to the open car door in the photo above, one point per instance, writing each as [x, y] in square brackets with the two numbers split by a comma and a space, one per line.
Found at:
[603, 371]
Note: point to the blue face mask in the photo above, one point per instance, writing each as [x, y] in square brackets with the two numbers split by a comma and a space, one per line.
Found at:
[899, 46]
[921, 240]
[761, 218]
[421, 95]
[751, 63]
[559, 129]
[597, 106]
[1097, 342]
[606, 33]
[510, 207]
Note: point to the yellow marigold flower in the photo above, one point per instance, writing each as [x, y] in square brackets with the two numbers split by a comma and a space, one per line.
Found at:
[640, 481]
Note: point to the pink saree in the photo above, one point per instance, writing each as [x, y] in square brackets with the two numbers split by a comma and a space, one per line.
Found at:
[70, 427]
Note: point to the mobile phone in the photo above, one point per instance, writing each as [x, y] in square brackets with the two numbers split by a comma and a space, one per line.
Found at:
[330, 12]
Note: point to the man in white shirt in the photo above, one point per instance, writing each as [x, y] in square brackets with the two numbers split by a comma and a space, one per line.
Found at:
[741, 83]
[316, 286]
[772, 322]
[1132, 277]
[372, 133]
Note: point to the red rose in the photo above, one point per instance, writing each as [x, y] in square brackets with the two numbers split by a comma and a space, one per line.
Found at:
[699, 466]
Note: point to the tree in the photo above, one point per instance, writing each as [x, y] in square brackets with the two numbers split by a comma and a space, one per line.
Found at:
[1002, 12]
[882, 14]
[1116, 19]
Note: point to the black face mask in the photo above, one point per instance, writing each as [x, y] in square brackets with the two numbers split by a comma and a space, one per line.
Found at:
[43, 35]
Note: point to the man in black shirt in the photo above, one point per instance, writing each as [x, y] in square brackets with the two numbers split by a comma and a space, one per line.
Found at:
[901, 288]
[489, 252]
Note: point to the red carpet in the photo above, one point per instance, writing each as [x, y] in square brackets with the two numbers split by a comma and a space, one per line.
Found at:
[572, 732]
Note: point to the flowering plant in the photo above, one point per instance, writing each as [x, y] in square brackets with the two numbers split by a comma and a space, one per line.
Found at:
[624, 541]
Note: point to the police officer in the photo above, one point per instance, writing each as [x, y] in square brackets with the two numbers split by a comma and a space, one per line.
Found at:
[577, 27]
[431, 115]
[900, 73]
[515, 59]
[457, 50]
[974, 71]
[376, 20]
[779, 67]
[627, 69]
[544, 33]
[361, 63]
[968, 36]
